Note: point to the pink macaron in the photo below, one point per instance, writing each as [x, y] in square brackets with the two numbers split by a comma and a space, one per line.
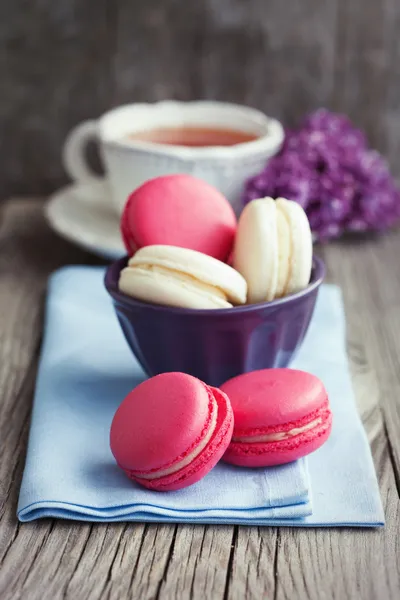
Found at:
[179, 210]
[280, 415]
[170, 431]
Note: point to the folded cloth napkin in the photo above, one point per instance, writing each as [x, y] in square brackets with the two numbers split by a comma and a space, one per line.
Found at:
[85, 371]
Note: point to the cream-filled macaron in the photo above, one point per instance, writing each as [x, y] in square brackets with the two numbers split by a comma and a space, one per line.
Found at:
[180, 277]
[273, 248]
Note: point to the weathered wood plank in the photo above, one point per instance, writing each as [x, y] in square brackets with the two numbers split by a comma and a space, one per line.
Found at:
[254, 563]
[27, 246]
[368, 274]
[336, 563]
[200, 561]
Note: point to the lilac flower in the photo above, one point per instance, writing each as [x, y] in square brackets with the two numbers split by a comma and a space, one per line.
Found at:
[326, 166]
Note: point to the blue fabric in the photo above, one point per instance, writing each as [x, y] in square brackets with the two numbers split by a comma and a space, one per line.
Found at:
[86, 369]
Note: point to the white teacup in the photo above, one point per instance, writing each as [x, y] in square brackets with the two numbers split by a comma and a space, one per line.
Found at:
[131, 162]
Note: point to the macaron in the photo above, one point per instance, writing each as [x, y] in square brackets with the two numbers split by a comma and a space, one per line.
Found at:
[170, 431]
[179, 210]
[183, 278]
[273, 248]
[280, 415]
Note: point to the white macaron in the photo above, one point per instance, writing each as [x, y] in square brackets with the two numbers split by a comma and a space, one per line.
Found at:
[180, 277]
[273, 249]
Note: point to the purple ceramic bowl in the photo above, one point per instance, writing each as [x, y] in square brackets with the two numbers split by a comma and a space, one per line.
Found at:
[214, 345]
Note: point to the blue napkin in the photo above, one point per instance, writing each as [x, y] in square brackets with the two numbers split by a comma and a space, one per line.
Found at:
[86, 369]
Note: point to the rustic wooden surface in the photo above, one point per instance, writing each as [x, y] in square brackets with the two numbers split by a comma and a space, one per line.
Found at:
[65, 61]
[52, 560]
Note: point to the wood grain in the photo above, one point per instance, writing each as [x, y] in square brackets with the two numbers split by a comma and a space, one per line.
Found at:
[367, 268]
[52, 560]
[66, 61]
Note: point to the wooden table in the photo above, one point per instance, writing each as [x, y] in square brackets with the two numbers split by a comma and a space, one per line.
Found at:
[50, 560]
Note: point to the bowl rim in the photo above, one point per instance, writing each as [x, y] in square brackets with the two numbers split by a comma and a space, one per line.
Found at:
[317, 276]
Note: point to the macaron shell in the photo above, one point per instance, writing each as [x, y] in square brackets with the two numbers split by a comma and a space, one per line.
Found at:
[126, 228]
[273, 398]
[202, 267]
[301, 245]
[206, 460]
[278, 453]
[276, 401]
[285, 252]
[179, 210]
[160, 421]
[167, 289]
[256, 249]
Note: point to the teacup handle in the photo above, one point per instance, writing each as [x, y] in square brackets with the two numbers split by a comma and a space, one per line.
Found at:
[74, 153]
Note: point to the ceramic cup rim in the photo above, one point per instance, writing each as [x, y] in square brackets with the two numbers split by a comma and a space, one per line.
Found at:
[111, 284]
[270, 130]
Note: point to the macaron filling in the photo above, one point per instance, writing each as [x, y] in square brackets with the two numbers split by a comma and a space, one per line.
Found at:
[191, 453]
[184, 280]
[272, 434]
[180, 277]
[278, 436]
[299, 267]
[284, 252]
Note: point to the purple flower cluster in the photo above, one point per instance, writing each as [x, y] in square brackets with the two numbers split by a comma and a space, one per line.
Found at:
[327, 167]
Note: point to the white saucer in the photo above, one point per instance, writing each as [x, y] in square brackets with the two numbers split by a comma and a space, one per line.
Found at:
[83, 214]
